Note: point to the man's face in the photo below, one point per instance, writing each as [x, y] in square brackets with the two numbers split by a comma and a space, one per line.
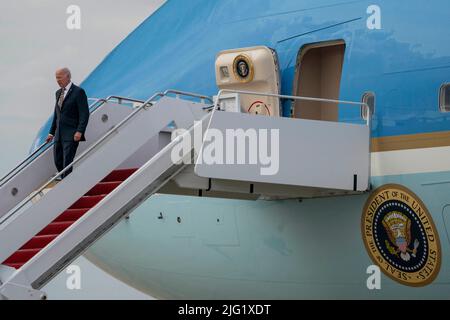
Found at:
[62, 78]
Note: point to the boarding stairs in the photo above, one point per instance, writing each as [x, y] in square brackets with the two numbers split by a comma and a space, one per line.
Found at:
[45, 223]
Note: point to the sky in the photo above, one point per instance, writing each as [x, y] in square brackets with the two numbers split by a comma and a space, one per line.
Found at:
[35, 41]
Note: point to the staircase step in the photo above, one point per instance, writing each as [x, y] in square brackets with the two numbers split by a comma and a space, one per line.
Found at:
[68, 217]
[22, 256]
[103, 188]
[71, 215]
[55, 228]
[119, 175]
[38, 242]
[14, 265]
[87, 202]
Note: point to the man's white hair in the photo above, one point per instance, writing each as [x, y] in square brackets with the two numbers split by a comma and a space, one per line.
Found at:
[66, 71]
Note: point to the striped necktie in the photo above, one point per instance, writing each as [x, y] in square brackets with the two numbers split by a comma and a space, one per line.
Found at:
[61, 98]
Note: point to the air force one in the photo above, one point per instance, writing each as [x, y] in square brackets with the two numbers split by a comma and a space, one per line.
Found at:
[356, 203]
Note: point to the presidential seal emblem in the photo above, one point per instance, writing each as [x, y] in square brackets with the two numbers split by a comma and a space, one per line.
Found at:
[243, 68]
[400, 236]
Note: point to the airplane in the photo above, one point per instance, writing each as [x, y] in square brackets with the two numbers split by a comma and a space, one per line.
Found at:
[361, 209]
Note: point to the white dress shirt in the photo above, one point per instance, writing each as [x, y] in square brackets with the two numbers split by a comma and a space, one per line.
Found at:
[67, 89]
[65, 94]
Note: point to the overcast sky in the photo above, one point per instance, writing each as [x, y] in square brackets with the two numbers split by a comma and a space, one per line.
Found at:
[35, 41]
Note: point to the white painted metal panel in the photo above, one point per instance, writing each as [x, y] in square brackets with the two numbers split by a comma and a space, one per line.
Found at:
[312, 153]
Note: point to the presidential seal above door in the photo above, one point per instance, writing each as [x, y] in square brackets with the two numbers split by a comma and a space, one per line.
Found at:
[243, 68]
[400, 236]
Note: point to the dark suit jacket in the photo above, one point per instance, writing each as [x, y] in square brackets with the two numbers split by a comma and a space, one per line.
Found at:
[73, 116]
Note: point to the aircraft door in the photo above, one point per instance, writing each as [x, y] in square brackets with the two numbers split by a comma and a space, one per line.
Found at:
[251, 69]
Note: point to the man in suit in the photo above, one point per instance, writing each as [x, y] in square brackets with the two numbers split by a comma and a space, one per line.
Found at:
[70, 120]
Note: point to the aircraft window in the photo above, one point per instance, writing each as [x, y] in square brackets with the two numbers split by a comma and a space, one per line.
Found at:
[444, 98]
[369, 99]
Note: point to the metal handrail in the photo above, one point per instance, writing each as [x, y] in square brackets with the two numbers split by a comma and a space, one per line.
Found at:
[21, 163]
[103, 138]
[287, 97]
[82, 156]
[35, 152]
[12, 173]
[120, 99]
[369, 109]
[188, 94]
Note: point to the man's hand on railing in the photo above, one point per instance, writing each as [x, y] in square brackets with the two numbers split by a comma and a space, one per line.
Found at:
[49, 138]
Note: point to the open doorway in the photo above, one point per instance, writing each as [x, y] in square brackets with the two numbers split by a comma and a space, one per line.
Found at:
[318, 75]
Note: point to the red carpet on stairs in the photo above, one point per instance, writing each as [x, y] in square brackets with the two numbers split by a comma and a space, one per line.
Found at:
[68, 217]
